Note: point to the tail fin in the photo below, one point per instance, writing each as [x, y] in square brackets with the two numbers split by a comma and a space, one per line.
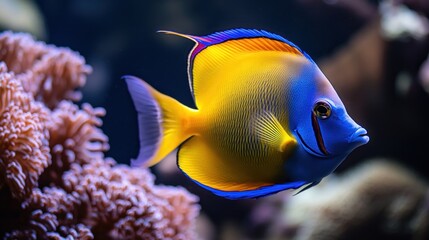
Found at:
[162, 122]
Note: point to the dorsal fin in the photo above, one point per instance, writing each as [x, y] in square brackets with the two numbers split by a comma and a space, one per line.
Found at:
[228, 44]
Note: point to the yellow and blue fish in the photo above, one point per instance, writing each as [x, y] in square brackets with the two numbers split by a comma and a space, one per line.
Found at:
[266, 117]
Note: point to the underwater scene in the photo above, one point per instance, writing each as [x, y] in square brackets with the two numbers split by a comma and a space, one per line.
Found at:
[214, 120]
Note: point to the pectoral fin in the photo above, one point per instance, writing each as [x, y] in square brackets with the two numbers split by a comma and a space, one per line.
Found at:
[269, 130]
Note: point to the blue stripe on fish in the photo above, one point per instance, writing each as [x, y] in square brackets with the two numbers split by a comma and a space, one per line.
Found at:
[260, 192]
[220, 37]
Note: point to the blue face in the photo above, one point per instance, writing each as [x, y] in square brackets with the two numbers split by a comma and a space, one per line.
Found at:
[326, 134]
[329, 131]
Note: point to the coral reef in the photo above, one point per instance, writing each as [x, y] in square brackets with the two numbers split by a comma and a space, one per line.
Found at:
[51, 74]
[55, 181]
[24, 151]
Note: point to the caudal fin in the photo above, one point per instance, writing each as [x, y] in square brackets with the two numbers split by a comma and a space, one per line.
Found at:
[160, 120]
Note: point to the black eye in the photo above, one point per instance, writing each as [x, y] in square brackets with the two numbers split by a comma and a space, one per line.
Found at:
[322, 110]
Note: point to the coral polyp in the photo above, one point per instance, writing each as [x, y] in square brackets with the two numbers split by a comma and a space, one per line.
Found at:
[54, 175]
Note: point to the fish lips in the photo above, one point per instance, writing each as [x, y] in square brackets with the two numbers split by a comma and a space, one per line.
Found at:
[359, 137]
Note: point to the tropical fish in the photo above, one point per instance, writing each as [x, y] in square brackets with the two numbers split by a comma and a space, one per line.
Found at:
[266, 117]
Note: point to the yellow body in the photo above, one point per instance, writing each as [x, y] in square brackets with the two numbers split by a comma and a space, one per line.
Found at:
[266, 117]
[239, 138]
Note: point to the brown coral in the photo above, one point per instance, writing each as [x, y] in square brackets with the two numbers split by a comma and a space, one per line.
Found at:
[24, 152]
[74, 137]
[51, 74]
[124, 203]
[48, 141]
[109, 201]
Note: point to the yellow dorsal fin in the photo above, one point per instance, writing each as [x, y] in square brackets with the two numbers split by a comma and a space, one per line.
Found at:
[211, 53]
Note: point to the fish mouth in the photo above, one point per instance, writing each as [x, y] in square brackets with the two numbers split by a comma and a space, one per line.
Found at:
[360, 136]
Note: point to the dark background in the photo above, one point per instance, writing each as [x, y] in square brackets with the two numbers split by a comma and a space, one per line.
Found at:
[119, 38]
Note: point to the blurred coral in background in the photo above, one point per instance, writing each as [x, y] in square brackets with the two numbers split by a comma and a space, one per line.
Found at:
[22, 15]
[377, 200]
[55, 181]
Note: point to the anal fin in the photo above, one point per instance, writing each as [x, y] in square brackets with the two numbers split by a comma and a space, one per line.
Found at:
[227, 177]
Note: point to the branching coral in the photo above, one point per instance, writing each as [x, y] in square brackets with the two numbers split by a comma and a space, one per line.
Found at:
[74, 137]
[47, 141]
[51, 74]
[109, 201]
[24, 152]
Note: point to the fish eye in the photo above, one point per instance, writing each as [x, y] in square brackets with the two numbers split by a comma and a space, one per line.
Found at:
[322, 110]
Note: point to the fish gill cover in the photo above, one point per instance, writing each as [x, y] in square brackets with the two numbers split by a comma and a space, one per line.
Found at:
[55, 181]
